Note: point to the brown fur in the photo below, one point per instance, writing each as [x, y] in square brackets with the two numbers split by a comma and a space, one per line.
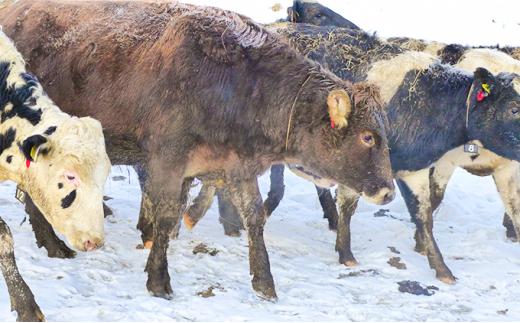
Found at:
[174, 82]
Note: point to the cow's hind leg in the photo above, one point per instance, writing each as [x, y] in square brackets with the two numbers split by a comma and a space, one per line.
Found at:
[507, 179]
[347, 202]
[276, 190]
[200, 205]
[328, 204]
[246, 197]
[22, 299]
[510, 228]
[44, 233]
[146, 213]
[415, 189]
[228, 213]
[439, 177]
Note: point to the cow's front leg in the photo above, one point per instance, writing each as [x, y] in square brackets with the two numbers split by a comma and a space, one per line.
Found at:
[347, 202]
[168, 194]
[415, 189]
[44, 233]
[507, 179]
[22, 299]
[276, 190]
[246, 197]
[328, 204]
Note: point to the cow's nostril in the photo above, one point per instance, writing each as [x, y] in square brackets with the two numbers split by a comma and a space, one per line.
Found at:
[89, 245]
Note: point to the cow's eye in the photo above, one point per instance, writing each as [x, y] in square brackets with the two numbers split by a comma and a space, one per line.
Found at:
[367, 138]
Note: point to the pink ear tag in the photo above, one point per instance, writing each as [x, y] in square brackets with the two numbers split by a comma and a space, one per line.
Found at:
[480, 96]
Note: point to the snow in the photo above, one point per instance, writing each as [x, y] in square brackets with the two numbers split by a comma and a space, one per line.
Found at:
[109, 284]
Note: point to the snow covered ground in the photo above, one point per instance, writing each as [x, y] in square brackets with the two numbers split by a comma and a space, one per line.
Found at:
[109, 284]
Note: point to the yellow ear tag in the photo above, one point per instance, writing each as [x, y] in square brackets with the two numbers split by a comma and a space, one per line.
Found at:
[486, 88]
[33, 153]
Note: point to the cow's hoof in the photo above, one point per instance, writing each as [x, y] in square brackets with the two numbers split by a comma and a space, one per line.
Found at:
[420, 249]
[62, 252]
[333, 226]
[31, 314]
[233, 234]
[162, 290]
[350, 263]
[511, 235]
[107, 210]
[264, 288]
[447, 278]
[148, 244]
[188, 221]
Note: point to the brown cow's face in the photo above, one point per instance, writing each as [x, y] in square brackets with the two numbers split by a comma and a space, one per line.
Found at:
[355, 152]
[66, 180]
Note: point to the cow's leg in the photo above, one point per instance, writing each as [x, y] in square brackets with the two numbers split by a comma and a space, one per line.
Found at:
[44, 233]
[200, 205]
[347, 202]
[276, 190]
[146, 213]
[168, 192]
[246, 196]
[507, 179]
[439, 177]
[415, 189]
[328, 204]
[22, 299]
[510, 228]
[228, 213]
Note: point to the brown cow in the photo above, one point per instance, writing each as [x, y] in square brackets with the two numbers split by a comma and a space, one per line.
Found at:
[202, 92]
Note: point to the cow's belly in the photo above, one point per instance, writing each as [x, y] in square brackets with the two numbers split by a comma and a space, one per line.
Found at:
[483, 163]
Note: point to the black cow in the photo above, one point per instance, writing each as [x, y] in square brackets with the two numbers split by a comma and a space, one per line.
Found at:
[311, 12]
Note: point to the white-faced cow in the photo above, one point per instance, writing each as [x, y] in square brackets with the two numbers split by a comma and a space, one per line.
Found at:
[58, 159]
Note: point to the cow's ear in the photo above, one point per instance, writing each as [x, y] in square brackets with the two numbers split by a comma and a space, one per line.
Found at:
[34, 146]
[340, 107]
[484, 80]
[292, 14]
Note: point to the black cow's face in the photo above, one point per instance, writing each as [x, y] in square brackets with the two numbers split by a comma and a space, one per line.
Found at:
[494, 118]
[315, 14]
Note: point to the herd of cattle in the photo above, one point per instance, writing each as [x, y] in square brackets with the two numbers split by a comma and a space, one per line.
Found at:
[186, 92]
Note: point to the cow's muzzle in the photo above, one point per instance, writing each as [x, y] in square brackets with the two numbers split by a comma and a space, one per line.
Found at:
[383, 195]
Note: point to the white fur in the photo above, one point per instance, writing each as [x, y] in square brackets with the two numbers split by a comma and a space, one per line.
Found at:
[493, 60]
[389, 74]
[433, 48]
[516, 85]
[76, 147]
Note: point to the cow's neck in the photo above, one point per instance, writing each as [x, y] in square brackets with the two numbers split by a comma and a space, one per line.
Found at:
[427, 116]
[303, 109]
[24, 111]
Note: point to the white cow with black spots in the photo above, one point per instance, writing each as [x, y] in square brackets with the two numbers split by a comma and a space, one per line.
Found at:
[58, 159]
